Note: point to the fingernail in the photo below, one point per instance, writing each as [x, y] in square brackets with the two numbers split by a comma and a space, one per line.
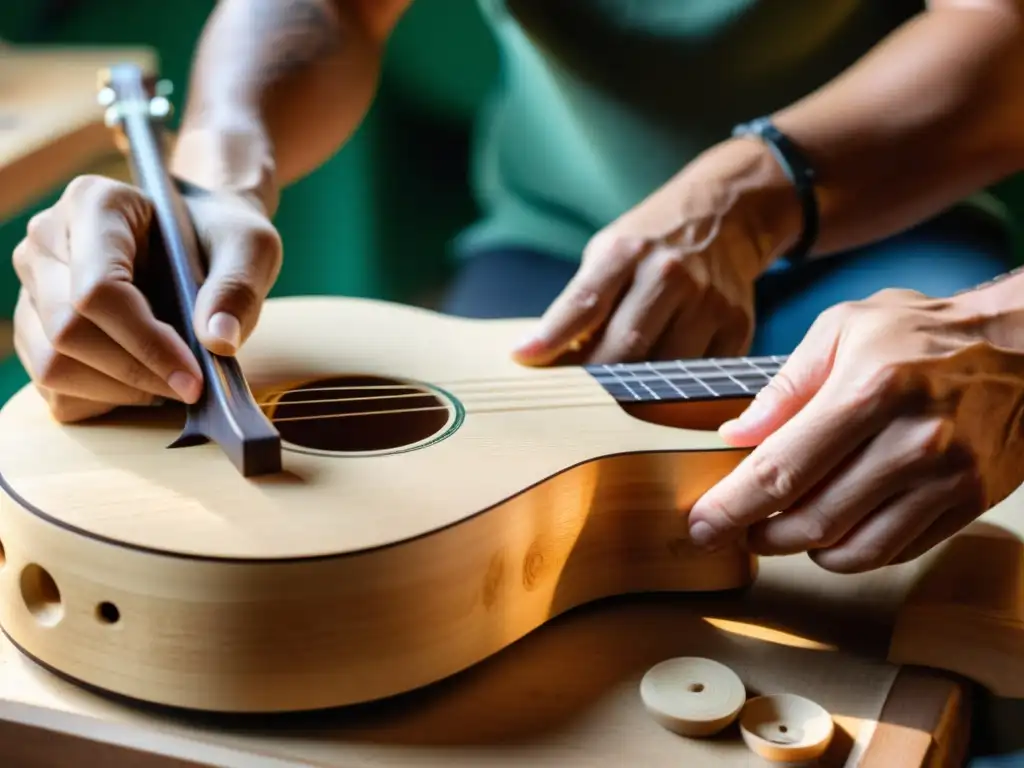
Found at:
[703, 535]
[531, 345]
[754, 413]
[730, 425]
[226, 328]
[187, 386]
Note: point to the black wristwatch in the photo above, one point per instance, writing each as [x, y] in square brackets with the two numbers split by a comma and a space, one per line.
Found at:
[799, 171]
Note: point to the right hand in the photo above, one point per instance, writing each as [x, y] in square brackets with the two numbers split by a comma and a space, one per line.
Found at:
[86, 334]
[893, 425]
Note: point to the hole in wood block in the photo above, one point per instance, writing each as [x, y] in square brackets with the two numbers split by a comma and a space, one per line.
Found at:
[41, 595]
[108, 613]
[692, 696]
[786, 728]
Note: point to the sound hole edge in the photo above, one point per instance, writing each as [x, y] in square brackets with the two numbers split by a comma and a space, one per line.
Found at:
[353, 415]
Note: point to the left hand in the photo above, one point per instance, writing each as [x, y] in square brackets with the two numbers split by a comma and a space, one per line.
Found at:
[894, 424]
[673, 277]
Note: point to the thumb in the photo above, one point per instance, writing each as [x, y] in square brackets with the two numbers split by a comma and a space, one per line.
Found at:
[243, 267]
[789, 390]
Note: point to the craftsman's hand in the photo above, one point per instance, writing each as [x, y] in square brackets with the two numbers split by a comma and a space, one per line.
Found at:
[84, 331]
[894, 424]
[674, 276]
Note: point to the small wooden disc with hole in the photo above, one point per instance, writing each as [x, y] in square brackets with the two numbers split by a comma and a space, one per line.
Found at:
[785, 728]
[692, 696]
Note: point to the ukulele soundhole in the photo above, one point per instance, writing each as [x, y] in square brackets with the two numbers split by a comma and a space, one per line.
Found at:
[358, 415]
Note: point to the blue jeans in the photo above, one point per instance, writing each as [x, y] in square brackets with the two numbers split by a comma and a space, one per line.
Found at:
[1015, 760]
[954, 251]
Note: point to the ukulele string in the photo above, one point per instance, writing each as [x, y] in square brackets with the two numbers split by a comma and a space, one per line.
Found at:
[512, 386]
[393, 411]
[564, 398]
[405, 395]
[523, 389]
[538, 401]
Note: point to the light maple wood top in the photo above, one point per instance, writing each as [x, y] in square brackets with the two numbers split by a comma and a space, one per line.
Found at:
[330, 505]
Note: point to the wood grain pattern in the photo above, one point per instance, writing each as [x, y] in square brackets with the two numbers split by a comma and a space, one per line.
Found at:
[354, 577]
[966, 612]
[926, 721]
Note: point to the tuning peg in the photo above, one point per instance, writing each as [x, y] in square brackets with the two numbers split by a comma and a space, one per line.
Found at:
[112, 117]
[164, 88]
[106, 96]
[160, 107]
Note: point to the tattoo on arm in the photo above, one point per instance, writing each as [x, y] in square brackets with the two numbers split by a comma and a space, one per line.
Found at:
[295, 34]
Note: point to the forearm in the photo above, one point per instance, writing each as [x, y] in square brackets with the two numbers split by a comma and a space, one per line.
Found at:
[277, 86]
[996, 309]
[931, 115]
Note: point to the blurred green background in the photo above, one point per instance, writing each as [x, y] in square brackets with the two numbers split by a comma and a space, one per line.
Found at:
[376, 220]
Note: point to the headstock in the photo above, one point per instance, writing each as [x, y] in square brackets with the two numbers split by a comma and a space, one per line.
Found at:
[125, 90]
[136, 107]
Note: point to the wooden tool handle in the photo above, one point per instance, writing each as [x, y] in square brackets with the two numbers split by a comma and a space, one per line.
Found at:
[226, 412]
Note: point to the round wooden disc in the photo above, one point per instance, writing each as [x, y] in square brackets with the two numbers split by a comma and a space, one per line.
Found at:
[784, 728]
[692, 696]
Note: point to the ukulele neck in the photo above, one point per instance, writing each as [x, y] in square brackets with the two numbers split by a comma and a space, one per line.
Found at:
[686, 380]
[226, 413]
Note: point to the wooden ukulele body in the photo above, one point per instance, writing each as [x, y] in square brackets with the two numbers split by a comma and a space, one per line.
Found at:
[395, 548]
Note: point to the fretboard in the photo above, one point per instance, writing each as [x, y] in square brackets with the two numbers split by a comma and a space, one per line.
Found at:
[710, 379]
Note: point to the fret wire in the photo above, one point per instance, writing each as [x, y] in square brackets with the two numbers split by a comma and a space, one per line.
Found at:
[735, 380]
[717, 361]
[697, 378]
[670, 383]
[692, 371]
[684, 378]
[622, 382]
[628, 369]
[766, 373]
[678, 375]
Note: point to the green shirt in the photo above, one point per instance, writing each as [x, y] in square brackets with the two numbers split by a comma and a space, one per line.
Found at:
[602, 101]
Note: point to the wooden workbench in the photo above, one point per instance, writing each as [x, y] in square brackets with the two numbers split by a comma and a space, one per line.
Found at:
[51, 127]
[565, 695]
